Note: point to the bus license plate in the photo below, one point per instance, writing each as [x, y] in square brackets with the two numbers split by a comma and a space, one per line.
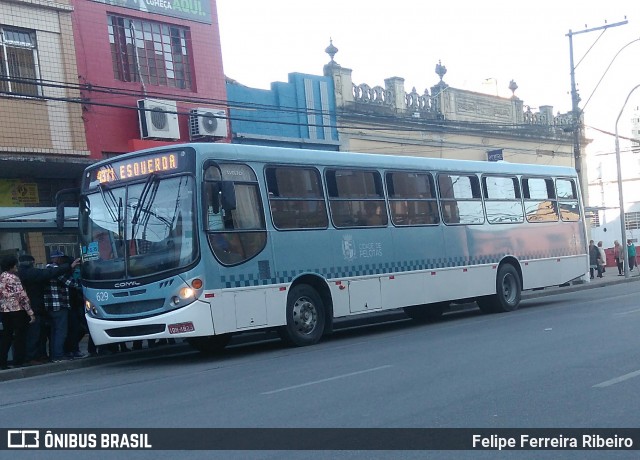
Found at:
[179, 328]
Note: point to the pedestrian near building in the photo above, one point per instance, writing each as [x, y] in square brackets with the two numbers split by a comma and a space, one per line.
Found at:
[16, 313]
[594, 255]
[35, 281]
[602, 260]
[618, 256]
[631, 252]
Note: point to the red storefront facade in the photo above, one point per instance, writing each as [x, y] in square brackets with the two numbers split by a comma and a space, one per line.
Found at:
[167, 57]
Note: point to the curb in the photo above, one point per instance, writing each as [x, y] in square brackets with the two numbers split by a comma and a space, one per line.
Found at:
[341, 324]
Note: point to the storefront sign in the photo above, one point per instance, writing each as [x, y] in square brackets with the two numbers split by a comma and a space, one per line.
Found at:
[14, 192]
[191, 10]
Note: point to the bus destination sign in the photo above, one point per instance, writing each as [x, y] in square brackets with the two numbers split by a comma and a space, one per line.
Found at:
[137, 167]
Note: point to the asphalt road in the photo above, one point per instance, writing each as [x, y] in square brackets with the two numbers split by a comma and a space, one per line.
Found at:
[568, 360]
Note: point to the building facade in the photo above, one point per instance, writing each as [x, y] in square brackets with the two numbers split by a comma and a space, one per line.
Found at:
[447, 122]
[43, 147]
[84, 80]
[298, 114]
[143, 68]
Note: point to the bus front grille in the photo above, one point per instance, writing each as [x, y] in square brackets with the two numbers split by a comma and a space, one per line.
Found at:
[136, 331]
[132, 308]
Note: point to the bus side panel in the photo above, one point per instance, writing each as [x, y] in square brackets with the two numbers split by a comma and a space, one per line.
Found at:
[276, 305]
[223, 311]
[418, 252]
[551, 272]
[402, 290]
[249, 308]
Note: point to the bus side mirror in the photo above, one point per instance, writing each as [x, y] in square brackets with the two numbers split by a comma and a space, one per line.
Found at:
[60, 215]
[228, 196]
[60, 202]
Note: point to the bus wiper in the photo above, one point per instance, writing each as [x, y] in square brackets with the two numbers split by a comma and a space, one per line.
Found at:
[111, 203]
[147, 194]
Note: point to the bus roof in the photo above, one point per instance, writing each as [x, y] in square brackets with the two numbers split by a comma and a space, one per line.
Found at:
[327, 158]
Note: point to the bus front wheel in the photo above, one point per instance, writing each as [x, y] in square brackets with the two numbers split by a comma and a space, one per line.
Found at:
[210, 344]
[305, 317]
[508, 292]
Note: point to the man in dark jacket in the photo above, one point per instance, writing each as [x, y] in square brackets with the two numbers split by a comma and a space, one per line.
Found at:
[35, 280]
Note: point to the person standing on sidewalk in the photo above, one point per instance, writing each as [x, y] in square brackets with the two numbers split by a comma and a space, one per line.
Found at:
[16, 313]
[602, 260]
[56, 299]
[594, 255]
[618, 255]
[631, 252]
[35, 280]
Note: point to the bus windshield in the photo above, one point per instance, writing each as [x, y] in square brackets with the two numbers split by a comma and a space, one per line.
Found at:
[138, 229]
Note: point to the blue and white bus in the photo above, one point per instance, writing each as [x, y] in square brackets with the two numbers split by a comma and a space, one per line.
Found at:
[202, 241]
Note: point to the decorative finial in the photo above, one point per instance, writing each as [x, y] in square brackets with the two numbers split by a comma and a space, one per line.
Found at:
[513, 87]
[440, 70]
[331, 51]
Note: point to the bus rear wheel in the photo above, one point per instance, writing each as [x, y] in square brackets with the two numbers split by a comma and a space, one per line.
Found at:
[426, 313]
[305, 317]
[508, 292]
[211, 344]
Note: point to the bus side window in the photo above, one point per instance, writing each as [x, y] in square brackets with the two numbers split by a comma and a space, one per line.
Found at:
[448, 205]
[350, 191]
[461, 199]
[567, 200]
[296, 198]
[539, 199]
[412, 198]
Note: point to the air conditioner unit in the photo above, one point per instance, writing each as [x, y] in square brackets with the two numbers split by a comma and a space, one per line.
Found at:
[207, 122]
[158, 119]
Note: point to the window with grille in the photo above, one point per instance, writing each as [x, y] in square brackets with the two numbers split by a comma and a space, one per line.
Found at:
[150, 52]
[632, 220]
[19, 71]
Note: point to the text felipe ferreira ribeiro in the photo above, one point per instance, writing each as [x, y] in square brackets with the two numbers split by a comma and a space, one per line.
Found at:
[524, 441]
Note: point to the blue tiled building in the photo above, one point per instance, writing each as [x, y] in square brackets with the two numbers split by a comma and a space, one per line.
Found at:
[299, 113]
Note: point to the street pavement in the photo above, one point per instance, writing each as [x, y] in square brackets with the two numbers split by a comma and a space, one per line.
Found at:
[610, 277]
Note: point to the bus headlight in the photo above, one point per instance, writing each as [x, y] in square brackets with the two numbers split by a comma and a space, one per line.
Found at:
[90, 308]
[186, 293]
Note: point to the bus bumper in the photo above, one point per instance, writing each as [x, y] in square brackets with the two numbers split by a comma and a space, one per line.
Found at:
[194, 320]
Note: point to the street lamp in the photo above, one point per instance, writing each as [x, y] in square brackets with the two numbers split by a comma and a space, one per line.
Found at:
[623, 226]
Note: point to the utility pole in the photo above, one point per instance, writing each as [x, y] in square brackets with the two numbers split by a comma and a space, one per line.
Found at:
[575, 100]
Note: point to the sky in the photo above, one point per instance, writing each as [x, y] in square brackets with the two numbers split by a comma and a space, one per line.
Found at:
[484, 44]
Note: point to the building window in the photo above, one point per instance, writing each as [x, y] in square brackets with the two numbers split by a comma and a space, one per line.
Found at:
[151, 52]
[632, 220]
[19, 72]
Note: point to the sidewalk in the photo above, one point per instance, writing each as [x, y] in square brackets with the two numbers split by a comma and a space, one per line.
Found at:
[609, 278]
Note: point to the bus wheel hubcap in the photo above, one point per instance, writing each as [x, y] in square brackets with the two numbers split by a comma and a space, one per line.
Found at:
[509, 288]
[305, 316]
